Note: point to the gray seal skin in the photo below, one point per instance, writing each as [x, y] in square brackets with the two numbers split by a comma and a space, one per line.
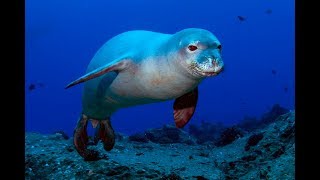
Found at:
[140, 67]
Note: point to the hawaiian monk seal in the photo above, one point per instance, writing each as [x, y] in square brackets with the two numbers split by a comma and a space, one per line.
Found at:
[140, 67]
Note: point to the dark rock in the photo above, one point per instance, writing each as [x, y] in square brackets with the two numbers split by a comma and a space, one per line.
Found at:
[119, 147]
[272, 115]
[232, 165]
[139, 154]
[249, 158]
[141, 172]
[175, 155]
[181, 169]
[253, 140]
[200, 178]
[145, 147]
[167, 135]
[205, 163]
[171, 176]
[139, 137]
[252, 123]
[70, 148]
[195, 130]
[206, 132]
[103, 156]
[146, 173]
[119, 136]
[229, 177]
[189, 142]
[288, 132]
[92, 155]
[117, 170]
[64, 135]
[152, 176]
[258, 152]
[204, 154]
[279, 152]
[267, 146]
[249, 123]
[263, 174]
[229, 135]
[66, 162]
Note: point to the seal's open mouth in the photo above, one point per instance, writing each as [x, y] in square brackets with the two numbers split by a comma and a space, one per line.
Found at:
[212, 71]
[211, 67]
[216, 71]
[209, 73]
[200, 73]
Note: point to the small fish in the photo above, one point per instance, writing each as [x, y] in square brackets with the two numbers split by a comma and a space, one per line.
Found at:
[32, 87]
[268, 11]
[241, 18]
[274, 72]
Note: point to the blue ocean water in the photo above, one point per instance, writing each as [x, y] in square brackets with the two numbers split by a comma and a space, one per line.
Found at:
[62, 37]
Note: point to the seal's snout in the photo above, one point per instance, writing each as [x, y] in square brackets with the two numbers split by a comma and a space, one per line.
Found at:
[217, 65]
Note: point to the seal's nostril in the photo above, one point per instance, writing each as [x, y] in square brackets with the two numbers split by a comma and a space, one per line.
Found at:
[214, 63]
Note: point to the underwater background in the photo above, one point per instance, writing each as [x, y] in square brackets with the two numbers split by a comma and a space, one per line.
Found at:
[62, 36]
[244, 123]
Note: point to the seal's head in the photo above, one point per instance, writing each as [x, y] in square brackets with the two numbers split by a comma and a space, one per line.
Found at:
[199, 52]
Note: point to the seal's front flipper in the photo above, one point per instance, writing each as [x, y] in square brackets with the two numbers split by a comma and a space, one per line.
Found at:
[184, 107]
[112, 66]
[80, 140]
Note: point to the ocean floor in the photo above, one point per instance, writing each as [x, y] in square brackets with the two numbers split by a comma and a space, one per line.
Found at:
[267, 152]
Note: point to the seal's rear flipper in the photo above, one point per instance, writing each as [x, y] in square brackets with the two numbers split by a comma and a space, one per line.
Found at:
[106, 134]
[118, 66]
[80, 140]
[184, 108]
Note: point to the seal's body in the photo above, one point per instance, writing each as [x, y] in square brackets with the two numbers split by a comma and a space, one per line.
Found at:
[140, 67]
[149, 77]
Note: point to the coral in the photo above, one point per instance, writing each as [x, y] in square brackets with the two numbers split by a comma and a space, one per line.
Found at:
[270, 156]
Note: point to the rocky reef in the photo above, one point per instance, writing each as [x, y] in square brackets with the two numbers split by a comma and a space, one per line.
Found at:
[264, 152]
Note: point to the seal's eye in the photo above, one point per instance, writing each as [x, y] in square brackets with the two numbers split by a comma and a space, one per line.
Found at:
[192, 47]
[219, 47]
